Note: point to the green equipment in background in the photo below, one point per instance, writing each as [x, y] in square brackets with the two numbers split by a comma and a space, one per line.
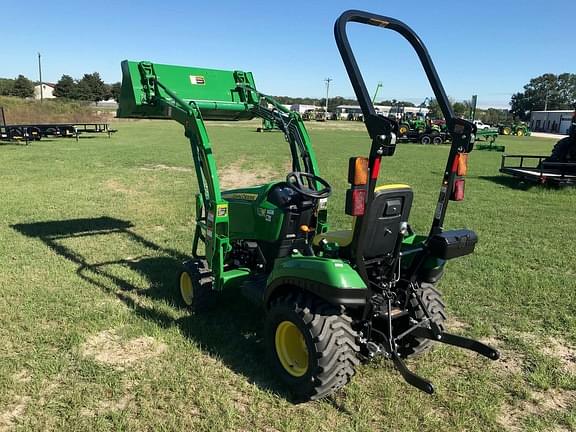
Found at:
[267, 126]
[330, 298]
[519, 129]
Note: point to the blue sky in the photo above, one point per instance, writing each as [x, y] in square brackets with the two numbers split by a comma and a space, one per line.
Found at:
[490, 48]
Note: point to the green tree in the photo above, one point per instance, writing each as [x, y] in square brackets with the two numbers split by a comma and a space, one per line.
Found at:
[6, 85]
[90, 88]
[22, 87]
[548, 91]
[65, 87]
[114, 90]
[460, 109]
[434, 111]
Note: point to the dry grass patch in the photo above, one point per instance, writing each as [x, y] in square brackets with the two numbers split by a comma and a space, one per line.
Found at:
[162, 167]
[540, 403]
[22, 376]
[116, 186]
[16, 410]
[562, 351]
[236, 176]
[109, 348]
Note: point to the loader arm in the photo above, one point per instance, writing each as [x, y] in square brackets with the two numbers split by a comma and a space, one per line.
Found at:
[190, 96]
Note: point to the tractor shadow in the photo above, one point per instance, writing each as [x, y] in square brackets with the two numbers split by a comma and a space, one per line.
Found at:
[230, 331]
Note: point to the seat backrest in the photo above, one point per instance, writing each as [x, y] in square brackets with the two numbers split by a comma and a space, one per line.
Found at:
[390, 208]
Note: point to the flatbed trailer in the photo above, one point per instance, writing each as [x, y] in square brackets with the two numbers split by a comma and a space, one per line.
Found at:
[535, 169]
[34, 132]
[427, 137]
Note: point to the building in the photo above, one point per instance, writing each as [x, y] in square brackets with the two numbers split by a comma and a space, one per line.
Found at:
[47, 91]
[353, 112]
[554, 121]
[302, 108]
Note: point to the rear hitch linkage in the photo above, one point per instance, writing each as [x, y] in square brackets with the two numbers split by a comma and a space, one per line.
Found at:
[431, 332]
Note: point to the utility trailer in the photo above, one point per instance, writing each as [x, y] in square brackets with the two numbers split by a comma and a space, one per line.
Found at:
[424, 137]
[535, 169]
[489, 136]
[94, 128]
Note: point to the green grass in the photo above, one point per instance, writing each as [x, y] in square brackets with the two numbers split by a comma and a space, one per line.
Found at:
[92, 337]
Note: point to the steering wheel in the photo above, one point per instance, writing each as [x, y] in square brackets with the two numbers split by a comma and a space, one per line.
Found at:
[297, 181]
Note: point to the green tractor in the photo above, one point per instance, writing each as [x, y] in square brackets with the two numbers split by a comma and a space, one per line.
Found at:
[519, 129]
[331, 299]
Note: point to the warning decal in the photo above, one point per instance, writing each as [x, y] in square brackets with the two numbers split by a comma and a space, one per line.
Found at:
[197, 80]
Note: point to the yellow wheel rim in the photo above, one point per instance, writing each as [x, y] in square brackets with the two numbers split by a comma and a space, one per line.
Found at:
[186, 290]
[520, 133]
[291, 349]
[506, 131]
[403, 130]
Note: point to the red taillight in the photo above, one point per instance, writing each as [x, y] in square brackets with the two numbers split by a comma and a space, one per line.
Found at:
[458, 191]
[356, 201]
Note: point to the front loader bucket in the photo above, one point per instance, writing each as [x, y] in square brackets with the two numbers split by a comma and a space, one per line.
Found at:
[219, 94]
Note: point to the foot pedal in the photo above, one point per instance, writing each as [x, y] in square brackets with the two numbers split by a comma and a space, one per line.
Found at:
[253, 288]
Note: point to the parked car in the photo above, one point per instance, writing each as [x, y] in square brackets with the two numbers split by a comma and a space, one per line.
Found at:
[481, 125]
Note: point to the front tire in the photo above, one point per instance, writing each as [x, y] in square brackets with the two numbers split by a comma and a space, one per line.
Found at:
[195, 282]
[311, 345]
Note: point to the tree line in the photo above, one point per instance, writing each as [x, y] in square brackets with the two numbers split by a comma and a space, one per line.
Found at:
[89, 88]
[547, 91]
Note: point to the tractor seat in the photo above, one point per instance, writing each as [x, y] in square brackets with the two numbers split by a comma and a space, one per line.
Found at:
[390, 207]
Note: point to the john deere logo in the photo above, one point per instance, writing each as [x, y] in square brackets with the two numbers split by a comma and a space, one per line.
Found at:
[242, 196]
[197, 80]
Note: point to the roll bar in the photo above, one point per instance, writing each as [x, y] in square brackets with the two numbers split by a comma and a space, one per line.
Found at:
[383, 131]
[399, 27]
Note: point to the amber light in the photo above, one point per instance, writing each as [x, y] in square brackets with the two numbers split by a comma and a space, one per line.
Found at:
[360, 176]
[462, 169]
[460, 164]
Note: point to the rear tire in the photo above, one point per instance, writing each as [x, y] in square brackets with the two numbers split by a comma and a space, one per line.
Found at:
[311, 345]
[432, 299]
[520, 132]
[403, 129]
[506, 131]
[563, 151]
[437, 140]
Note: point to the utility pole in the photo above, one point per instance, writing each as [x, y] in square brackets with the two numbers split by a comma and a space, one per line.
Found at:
[40, 72]
[546, 101]
[378, 87]
[327, 81]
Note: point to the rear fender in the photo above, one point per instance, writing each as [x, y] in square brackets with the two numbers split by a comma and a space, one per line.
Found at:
[332, 280]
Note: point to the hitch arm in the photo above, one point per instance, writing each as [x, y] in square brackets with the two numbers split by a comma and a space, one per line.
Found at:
[458, 341]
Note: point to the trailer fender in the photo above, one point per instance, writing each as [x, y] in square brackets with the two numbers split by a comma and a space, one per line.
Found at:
[331, 279]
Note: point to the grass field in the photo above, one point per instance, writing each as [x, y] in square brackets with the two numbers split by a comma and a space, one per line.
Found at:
[92, 337]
